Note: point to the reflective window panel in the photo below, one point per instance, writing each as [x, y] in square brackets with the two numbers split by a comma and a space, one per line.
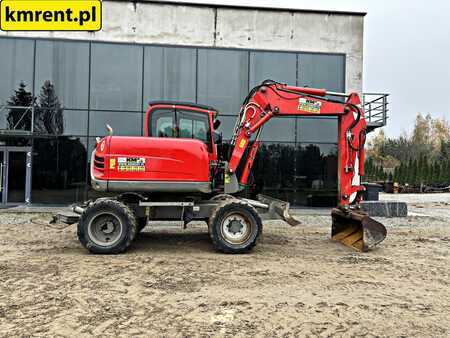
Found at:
[322, 71]
[169, 74]
[279, 129]
[123, 123]
[274, 170]
[226, 126]
[59, 121]
[75, 122]
[222, 79]
[59, 170]
[280, 67]
[303, 174]
[320, 129]
[66, 66]
[16, 82]
[116, 77]
[316, 168]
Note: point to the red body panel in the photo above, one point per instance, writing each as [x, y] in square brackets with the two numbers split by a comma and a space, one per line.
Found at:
[160, 159]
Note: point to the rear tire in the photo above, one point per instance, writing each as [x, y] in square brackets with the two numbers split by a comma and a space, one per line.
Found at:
[107, 226]
[234, 227]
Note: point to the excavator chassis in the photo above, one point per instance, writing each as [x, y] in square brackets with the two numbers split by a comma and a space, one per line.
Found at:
[268, 209]
[351, 227]
[109, 225]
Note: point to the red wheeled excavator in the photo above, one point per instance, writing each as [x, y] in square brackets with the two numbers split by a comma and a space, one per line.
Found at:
[180, 171]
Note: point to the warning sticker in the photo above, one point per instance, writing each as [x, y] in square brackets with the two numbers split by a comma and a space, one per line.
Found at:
[309, 106]
[131, 164]
[242, 143]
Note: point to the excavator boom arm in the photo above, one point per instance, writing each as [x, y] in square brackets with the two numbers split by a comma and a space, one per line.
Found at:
[270, 100]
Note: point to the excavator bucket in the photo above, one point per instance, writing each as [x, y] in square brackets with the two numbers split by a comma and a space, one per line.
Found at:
[278, 209]
[354, 228]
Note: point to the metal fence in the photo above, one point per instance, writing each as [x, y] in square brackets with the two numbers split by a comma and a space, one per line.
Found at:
[376, 109]
[22, 121]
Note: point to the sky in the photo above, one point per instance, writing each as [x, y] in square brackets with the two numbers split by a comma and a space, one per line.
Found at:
[406, 52]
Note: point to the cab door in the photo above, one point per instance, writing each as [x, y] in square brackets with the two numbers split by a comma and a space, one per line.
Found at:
[182, 123]
[194, 125]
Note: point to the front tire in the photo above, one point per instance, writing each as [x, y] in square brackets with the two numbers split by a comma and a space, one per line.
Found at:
[234, 227]
[107, 227]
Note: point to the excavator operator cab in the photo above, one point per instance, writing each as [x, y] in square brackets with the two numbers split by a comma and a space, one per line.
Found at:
[184, 120]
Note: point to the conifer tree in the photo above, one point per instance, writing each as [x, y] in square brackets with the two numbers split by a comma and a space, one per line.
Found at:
[424, 172]
[395, 177]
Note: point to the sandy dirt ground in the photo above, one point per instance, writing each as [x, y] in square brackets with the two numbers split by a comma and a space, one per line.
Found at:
[171, 283]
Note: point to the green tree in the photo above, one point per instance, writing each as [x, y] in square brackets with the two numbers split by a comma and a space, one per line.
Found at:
[425, 171]
[415, 173]
[442, 173]
[447, 171]
[401, 174]
[434, 173]
[408, 175]
[395, 177]
[381, 173]
[430, 173]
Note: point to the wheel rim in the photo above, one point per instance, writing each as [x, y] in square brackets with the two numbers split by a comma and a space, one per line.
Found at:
[236, 228]
[222, 197]
[105, 229]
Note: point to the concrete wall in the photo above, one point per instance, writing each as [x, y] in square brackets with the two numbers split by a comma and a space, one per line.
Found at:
[229, 27]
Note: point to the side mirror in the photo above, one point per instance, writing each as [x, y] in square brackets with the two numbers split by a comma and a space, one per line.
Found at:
[216, 124]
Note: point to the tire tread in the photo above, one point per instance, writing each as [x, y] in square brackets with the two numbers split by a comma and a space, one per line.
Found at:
[113, 205]
[216, 214]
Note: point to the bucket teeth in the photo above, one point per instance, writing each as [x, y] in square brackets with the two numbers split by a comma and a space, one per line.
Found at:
[356, 229]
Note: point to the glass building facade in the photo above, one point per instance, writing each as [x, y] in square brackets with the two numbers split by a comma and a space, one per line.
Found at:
[56, 96]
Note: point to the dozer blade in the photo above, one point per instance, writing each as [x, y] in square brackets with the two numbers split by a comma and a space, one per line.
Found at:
[278, 210]
[356, 229]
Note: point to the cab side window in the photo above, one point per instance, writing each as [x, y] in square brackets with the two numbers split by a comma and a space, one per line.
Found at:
[193, 125]
[180, 124]
[162, 123]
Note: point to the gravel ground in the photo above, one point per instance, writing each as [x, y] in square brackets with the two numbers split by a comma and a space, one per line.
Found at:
[171, 283]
